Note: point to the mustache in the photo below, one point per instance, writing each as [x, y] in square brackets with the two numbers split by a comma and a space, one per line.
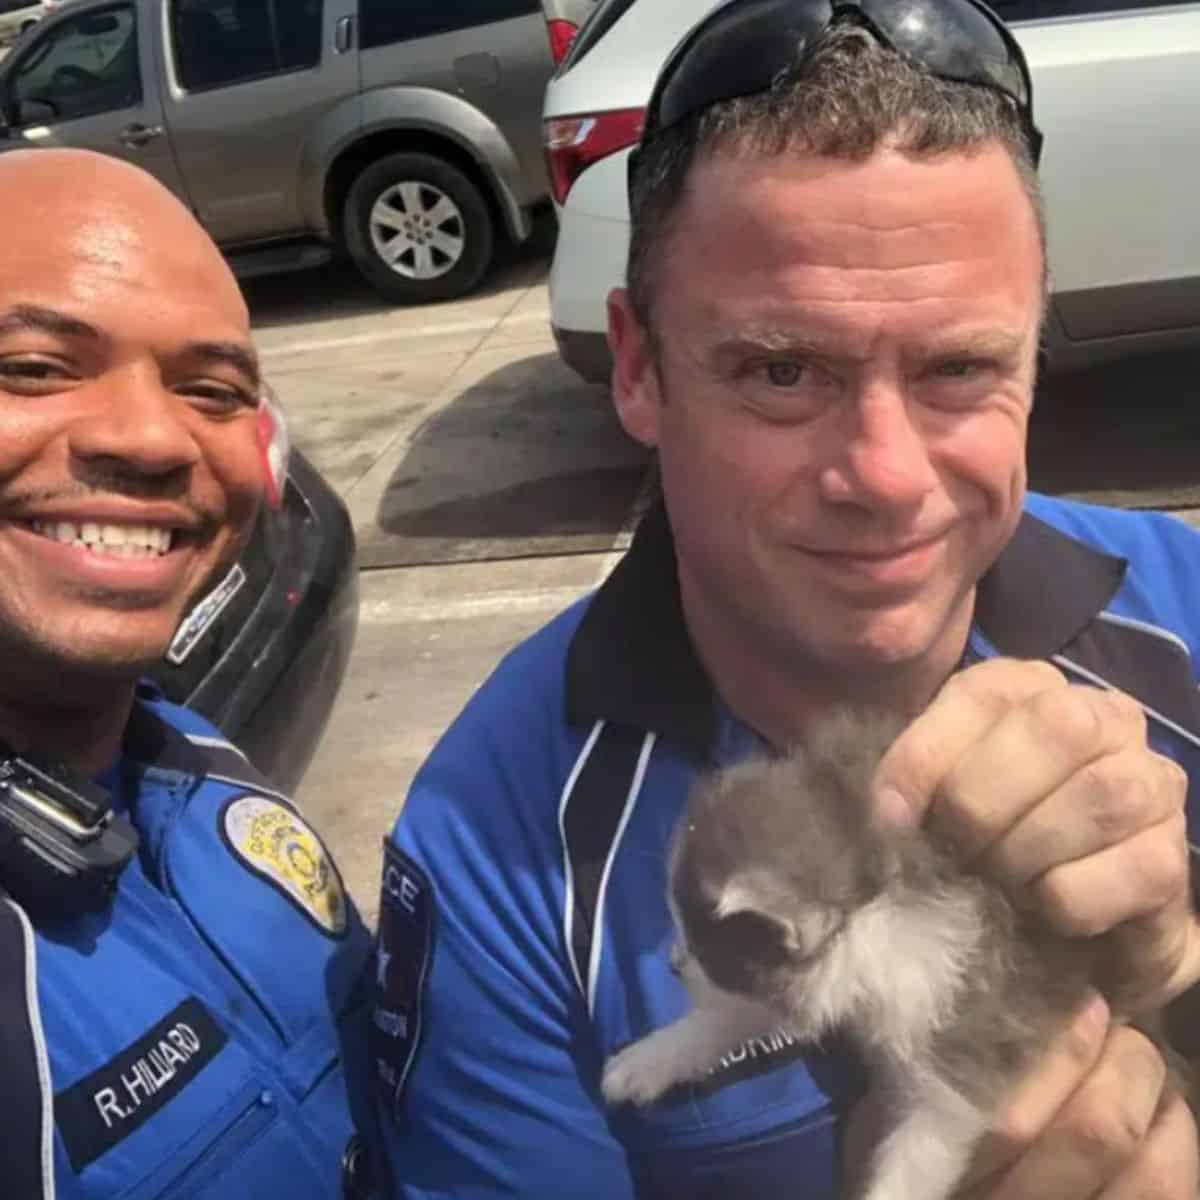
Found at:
[104, 485]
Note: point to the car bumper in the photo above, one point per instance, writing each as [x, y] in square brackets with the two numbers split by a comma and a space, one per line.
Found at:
[268, 668]
[585, 352]
[589, 261]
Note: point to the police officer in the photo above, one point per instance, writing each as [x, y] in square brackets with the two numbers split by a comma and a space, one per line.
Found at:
[829, 335]
[180, 959]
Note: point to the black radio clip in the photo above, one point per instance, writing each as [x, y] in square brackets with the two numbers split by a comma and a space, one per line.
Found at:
[62, 848]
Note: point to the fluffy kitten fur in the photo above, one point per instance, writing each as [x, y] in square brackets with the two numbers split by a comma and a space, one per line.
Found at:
[793, 909]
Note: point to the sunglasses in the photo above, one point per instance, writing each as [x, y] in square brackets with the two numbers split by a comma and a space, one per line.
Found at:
[742, 47]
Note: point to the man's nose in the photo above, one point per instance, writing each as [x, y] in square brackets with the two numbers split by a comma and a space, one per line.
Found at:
[135, 424]
[884, 459]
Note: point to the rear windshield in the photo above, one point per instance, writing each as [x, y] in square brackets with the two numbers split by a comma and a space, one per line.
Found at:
[7, 6]
[604, 16]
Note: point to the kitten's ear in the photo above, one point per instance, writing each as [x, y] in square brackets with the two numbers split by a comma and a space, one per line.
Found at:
[748, 891]
[737, 897]
[759, 894]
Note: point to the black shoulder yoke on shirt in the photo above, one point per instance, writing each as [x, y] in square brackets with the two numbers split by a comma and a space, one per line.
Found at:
[632, 662]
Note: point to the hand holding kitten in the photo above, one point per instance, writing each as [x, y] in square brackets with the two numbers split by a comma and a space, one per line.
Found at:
[1096, 1118]
[1052, 790]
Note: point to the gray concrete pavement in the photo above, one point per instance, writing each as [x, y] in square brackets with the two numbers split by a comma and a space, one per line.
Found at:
[490, 488]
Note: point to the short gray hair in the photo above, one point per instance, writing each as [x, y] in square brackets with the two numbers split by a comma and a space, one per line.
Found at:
[847, 98]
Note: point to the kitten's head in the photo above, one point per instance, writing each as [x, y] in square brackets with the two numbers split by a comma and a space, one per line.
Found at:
[773, 856]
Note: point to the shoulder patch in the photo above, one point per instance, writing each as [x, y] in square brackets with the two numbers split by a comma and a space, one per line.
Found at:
[403, 953]
[280, 847]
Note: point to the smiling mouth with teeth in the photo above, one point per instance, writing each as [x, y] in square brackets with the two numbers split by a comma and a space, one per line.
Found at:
[122, 541]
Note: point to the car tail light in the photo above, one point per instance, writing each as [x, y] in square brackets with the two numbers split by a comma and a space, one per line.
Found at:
[562, 34]
[574, 143]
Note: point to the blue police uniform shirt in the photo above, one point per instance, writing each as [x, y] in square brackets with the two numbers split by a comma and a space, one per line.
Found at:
[524, 934]
[196, 1029]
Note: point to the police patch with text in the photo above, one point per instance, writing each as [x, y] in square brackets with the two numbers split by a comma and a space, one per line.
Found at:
[104, 1108]
[402, 957]
[283, 849]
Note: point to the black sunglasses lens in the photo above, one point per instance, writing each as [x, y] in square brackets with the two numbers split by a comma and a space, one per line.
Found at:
[745, 45]
[740, 50]
[954, 40]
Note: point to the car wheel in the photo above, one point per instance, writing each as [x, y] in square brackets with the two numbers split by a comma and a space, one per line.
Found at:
[418, 229]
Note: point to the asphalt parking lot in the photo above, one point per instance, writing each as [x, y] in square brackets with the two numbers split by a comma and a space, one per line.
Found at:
[489, 488]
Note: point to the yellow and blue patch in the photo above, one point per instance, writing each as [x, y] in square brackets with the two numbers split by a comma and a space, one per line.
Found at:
[281, 848]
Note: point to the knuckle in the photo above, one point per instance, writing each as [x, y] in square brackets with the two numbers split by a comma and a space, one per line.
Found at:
[1162, 862]
[1175, 779]
[1035, 673]
[1081, 1040]
[1014, 1132]
[1126, 710]
[921, 758]
[1100, 1127]
[1111, 788]
[998, 682]
[1058, 900]
[1070, 717]
[1130, 791]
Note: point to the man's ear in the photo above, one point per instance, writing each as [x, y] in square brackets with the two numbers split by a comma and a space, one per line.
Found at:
[635, 374]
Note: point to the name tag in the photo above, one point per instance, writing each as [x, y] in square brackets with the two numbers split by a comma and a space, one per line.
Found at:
[96, 1113]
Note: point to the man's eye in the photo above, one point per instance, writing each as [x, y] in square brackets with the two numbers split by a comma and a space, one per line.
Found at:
[29, 370]
[783, 374]
[958, 368]
[218, 398]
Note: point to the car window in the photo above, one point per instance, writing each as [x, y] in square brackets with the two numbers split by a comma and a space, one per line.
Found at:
[220, 42]
[388, 21]
[80, 67]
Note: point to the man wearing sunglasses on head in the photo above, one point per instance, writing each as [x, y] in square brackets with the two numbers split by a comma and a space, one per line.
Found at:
[835, 287]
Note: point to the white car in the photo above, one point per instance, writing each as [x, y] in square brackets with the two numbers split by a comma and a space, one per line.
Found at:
[16, 16]
[1116, 91]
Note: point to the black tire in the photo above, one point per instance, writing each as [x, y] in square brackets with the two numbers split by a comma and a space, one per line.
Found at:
[469, 226]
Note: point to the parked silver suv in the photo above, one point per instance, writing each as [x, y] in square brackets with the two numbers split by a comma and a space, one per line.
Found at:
[406, 132]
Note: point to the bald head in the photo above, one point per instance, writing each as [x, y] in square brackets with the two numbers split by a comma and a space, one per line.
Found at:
[108, 214]
[129, 401]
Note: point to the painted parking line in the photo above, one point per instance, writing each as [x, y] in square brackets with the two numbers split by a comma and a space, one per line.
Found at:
[405, 333]
[467, 607]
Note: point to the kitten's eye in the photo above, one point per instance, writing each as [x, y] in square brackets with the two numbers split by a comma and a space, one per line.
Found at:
[754, 936]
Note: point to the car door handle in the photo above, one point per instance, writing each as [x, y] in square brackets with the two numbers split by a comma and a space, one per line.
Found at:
[139, 135]
[343, 35]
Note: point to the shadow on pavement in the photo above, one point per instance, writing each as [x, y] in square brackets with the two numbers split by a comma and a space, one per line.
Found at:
[1127, 433]
[526, 460]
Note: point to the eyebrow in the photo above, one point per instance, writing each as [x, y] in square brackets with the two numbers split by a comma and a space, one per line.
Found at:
[984, 343]
[24, 317]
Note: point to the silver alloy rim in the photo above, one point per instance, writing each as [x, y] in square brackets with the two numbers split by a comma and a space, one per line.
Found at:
[417, 230]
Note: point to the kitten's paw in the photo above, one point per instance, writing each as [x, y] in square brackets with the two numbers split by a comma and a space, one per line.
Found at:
[634, 1076]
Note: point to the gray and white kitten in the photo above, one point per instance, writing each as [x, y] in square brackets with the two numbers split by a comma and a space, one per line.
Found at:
[796, 909]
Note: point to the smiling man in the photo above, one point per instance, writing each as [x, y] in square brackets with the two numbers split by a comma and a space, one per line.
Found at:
[181, 961]
[836, 282]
